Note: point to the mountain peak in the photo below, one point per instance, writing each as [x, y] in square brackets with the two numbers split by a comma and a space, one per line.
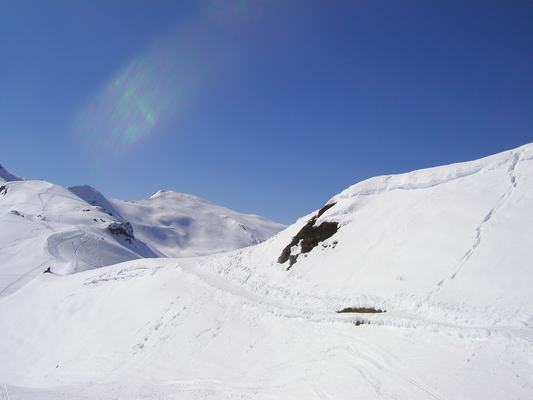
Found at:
[159, 193]
[166, 193]
[6, 176]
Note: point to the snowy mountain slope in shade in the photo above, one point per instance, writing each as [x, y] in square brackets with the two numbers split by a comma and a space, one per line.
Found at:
[6, 176]
[445, 251]
[95, 198]
[182, 225]
[79, 228]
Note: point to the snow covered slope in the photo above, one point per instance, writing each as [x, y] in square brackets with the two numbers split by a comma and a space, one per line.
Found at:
[446, 253]
[182, 225]
[458, 234]
[45, 225]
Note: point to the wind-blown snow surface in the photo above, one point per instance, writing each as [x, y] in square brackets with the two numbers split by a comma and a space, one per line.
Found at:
[45, 225]
[446, 251]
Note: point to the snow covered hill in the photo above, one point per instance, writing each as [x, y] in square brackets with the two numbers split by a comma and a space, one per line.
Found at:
[183, 225]
[198, 227]
[412, 286]
[71, 230]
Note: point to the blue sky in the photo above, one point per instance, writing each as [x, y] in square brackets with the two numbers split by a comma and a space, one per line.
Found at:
[269, 107]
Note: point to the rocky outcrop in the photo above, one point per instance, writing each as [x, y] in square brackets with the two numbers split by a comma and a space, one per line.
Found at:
[308, 237]
[122, 229]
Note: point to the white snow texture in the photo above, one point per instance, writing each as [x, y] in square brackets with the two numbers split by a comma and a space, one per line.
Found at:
[446, 251]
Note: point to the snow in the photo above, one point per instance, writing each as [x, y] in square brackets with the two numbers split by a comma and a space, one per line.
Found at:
[445, 251]
[46, 225]
[69, 230]
[183, 225]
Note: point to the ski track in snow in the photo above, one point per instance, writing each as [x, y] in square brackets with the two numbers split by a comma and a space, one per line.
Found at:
[321, 307]
[375, 356]
[19, 279]
[478, 234]
[4, 393]
[287, 309]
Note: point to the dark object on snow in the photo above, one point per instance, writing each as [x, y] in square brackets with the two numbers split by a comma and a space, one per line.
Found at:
[123, 229]
[361, 310]
[3, 190]
[309, 236]
[48, 270]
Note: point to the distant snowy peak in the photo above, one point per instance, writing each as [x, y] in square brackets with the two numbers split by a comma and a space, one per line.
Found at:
[161, 193]
[79, 228]
[165, 194]
[180, 224]
[184, 225]
[6, 176]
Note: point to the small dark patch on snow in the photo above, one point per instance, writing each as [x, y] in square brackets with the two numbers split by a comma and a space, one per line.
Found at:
[309, 237]
[361, 322]
[3, 190]
[17, 213]
[361, 310]
[123, 229]
[102, 209]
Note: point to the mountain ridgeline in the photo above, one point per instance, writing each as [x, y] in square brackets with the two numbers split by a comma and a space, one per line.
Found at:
[68, 230]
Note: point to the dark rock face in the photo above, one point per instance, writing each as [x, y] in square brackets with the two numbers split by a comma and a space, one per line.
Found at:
[3, 190]
[123, 229]
[361, 310]
[309, 236]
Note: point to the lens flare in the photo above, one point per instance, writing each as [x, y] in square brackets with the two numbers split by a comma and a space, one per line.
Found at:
[131, 104]
[156, 86]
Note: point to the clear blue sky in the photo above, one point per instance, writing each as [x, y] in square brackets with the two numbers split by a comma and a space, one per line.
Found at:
[269, 107]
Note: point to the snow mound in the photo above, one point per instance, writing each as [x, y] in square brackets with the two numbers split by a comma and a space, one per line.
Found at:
[460, 235]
